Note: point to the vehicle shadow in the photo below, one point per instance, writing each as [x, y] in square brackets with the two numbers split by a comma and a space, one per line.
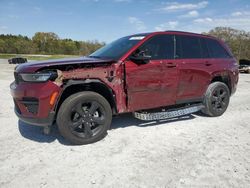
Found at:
[35, 133]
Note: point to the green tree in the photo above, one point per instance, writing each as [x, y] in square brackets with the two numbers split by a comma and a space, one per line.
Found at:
[46, 43]
[237, 40]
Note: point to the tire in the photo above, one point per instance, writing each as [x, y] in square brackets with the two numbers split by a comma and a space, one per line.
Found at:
[84, 118]
[216, 99]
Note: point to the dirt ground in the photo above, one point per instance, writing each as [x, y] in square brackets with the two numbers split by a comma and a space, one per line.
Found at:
[195, 151]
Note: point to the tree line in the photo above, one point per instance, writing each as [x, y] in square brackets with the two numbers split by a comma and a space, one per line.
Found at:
[237, 40]
[46, 43]
[50, 43]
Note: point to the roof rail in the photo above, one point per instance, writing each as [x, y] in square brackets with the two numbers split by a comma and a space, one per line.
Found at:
[183, 32]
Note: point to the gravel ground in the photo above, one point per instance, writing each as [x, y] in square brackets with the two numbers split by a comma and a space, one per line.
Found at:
[195, 151]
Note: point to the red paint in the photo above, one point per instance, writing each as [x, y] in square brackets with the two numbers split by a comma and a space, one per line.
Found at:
[150, 85]
[41, 91]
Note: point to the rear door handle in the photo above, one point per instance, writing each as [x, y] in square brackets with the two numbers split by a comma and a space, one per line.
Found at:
[208, 63]
[170, 65]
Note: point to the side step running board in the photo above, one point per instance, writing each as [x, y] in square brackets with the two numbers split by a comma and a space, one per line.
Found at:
[168, 114]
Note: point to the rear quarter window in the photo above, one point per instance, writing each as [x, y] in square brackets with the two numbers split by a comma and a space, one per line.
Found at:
[216, 50]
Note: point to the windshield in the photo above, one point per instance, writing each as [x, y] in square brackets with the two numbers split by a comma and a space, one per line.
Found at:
[118, 48]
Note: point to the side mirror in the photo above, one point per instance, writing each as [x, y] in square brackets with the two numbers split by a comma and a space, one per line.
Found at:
[142, 59]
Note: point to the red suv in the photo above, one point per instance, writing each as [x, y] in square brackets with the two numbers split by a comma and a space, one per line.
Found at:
[172, 72]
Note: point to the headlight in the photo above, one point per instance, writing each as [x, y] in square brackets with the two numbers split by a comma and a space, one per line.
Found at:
[38, 77]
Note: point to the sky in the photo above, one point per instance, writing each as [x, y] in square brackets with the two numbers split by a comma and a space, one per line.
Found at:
[107, 20]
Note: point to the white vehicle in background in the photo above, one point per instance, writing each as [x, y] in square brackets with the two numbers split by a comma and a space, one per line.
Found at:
[244, 66]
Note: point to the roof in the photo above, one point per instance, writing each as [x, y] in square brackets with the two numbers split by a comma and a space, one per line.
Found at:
[172, 31]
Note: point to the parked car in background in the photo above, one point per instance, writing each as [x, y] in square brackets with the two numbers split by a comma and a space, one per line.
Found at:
[153, 75]
[17, 60]
[244, 66]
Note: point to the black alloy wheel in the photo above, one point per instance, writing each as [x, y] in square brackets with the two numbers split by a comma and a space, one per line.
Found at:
[216, 99]
[219, 99]
[87, 119]
[84, 117]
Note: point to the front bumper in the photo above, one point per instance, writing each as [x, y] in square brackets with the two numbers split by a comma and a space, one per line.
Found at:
[37, 121]
[32, 102]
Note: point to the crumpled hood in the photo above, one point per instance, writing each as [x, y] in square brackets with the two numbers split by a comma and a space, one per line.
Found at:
[36, 65]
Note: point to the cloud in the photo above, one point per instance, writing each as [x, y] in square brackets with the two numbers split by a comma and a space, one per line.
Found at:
[175, 6]
[238, 22]
[190, 14]
[203, 20]
[13, 16]
[237, 14]
[204, 24]
[167, 25]
[139, 25]
[3, 29]
[242, 13]
[38, 9]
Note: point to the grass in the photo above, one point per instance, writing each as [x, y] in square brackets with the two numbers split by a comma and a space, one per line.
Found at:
[35, 56]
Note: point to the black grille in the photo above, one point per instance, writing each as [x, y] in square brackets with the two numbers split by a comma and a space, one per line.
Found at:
[31, 104]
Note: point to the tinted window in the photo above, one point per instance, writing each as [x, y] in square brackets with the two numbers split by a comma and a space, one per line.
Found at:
[158, 47]
[216, 50]
[118, 48]
[204, 49]
[188, 47]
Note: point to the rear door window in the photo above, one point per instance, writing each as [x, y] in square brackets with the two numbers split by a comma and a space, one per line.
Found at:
[204, 49]
[188, 47]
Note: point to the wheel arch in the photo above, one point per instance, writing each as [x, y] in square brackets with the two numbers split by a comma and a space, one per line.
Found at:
[224, 78]
[95, 85]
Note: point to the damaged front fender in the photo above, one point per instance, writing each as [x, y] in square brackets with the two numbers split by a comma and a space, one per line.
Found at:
[107, 80]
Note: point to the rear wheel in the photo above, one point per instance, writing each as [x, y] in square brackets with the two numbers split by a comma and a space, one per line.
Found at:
[84, 117]
[216, 99]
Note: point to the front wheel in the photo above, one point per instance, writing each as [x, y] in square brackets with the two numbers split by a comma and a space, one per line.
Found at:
[216, 99]
[84, 118]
